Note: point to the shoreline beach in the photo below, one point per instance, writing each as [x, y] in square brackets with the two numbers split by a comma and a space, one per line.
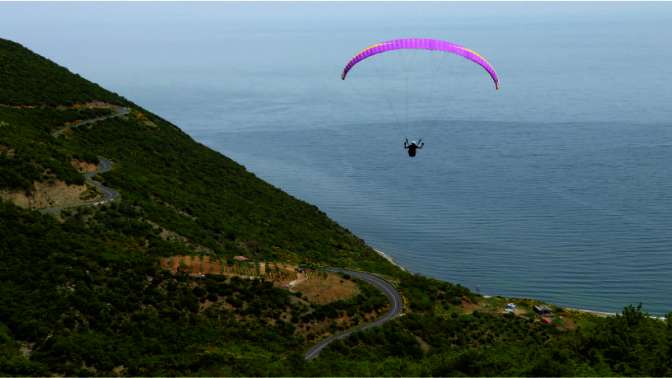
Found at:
[391, 260]
[587, 311]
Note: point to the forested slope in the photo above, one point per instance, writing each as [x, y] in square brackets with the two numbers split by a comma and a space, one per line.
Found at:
[83, 291]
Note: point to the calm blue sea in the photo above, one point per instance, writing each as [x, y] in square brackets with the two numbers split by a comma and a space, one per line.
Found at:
[557, 187]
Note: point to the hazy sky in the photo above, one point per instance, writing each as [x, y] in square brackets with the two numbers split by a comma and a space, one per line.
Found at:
[557, 61]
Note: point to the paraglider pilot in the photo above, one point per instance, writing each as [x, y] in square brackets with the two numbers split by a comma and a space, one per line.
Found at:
[413, 146]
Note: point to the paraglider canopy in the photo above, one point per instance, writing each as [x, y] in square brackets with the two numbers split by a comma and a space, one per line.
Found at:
[422, 44]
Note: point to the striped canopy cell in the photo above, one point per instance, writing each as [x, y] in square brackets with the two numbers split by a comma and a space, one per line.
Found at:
[422, 44]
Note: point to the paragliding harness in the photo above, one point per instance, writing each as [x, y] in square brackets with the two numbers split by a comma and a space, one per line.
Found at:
[413, 146]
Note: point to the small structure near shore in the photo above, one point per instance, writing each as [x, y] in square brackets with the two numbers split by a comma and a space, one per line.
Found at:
[240, 258]
[510, 308]
[542, 310]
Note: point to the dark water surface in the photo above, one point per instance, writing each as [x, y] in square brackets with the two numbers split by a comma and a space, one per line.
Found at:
[558, 186]
[577, 214]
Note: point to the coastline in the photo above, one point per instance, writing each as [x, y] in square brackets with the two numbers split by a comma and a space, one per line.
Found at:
[601, 314]
[583, 310]
[390, 259]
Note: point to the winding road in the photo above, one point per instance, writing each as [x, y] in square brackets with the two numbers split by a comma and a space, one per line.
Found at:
[104, 165]
[109, 195]
[117, 111]
[396, 305]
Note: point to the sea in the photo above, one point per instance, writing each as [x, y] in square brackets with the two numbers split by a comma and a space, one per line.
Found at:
[556, 187]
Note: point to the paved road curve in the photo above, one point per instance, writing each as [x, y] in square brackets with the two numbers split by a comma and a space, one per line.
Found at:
[104, 165]
[109, 194]
[396, 305]
[117, 111]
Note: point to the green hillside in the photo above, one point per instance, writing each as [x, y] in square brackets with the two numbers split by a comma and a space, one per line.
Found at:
[86, 288]
[178, 183]
[83, 291]
[29, 79]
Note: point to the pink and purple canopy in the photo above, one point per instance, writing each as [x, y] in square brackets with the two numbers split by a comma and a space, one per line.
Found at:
[421, 44]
